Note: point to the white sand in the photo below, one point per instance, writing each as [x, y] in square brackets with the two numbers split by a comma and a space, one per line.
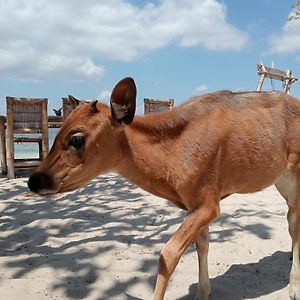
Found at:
[103, 242]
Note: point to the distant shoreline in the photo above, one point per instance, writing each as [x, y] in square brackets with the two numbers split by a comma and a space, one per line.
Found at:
[30, 150]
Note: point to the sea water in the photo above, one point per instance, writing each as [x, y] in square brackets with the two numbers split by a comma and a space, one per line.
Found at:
[31, 150]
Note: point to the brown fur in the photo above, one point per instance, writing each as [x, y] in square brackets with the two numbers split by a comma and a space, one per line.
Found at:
[194, 155]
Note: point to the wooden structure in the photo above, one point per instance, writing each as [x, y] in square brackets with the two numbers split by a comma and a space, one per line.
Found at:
[157, 105]
[285, 76]
[70, 103]
[67, 107]
[26, 116]
[53, 122]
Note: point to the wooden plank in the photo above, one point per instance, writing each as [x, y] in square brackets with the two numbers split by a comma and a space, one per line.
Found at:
[29, 101]
[26, 163]
[55, 121]
[27, 140]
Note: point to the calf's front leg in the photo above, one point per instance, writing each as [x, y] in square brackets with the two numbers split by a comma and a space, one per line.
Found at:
[187, 233]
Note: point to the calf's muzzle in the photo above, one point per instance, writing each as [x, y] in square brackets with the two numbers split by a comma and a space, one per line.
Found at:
[40, 182]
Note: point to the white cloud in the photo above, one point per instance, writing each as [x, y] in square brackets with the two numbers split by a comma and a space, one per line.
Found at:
[200, 89]
[66, 39]
[105, 96]
[288, 40]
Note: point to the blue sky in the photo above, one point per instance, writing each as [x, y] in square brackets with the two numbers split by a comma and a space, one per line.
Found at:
[172, 48]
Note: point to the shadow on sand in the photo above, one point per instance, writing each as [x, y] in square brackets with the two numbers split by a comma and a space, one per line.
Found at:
[26, 239]
[250, 281]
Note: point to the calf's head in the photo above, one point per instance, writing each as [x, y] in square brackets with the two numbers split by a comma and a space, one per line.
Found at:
[87, 143]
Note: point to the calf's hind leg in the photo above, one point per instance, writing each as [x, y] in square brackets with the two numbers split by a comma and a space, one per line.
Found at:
[289, 188]
[294, 229]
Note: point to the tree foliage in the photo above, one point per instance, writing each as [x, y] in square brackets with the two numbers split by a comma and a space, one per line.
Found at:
[296, 14]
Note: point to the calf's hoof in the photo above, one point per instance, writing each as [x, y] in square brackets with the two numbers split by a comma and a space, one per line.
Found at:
[294, 292]
[203, 293]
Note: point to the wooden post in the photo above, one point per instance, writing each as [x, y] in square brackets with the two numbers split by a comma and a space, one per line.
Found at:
[3, 146]
[10, 140]
[262, 72]
[260, 82]
[45, 138]
[288, 81]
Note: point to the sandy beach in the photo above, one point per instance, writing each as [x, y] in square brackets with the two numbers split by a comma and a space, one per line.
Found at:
[103, 242]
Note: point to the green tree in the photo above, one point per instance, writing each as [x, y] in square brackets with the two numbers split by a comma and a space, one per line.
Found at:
[296, 13]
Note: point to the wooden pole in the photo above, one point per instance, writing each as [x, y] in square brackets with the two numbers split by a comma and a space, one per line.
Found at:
[45, 139]
[288, 81]
[3, 147]
[260, 82]
[10, 140]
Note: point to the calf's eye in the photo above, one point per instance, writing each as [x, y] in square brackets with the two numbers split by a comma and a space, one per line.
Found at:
[77, 141]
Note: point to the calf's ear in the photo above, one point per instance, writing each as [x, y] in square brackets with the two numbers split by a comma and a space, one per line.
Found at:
[123, 101]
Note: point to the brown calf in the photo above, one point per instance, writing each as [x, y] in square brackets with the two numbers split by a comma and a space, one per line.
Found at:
[194, 156]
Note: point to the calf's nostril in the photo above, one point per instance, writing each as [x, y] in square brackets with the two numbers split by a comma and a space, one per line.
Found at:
[40, 181]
